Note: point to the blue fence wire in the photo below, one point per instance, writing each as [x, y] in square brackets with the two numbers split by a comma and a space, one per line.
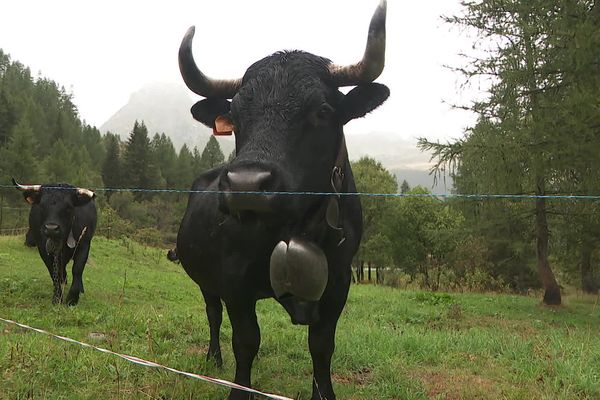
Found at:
[361, 194]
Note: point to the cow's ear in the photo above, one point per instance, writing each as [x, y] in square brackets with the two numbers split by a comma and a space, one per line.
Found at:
[207, 111]
[32, 197]
[362, 100]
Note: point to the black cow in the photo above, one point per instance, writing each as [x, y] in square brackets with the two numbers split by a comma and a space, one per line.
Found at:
[240, 246]
[62, 222]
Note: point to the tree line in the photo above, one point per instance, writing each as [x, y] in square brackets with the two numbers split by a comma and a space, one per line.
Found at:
[43, 140]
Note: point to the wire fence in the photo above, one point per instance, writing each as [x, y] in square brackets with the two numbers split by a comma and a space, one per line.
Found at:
[151, 364]
[361, 194]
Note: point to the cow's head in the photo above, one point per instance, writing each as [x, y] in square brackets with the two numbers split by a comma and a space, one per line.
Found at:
[288, 116]
[56, 205]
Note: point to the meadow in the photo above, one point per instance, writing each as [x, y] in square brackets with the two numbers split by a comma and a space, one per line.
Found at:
[391, 343]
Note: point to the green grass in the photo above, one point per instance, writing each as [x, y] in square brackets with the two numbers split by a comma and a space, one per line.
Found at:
[391, 344]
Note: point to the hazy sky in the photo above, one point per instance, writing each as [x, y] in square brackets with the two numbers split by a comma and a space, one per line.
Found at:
[103, 51]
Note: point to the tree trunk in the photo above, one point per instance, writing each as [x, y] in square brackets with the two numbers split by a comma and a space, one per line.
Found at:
[379, 274]
[1, 208]
[360, 276]
[369, 270]
[551, 289]
[588, 283]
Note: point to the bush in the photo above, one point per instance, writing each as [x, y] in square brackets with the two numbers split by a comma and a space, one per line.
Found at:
[112, 226]
[479, 280]
[149, 237]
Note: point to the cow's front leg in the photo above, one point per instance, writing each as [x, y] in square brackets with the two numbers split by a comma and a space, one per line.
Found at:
[79, 259]
[214, 312]
[321, 342]
[246, 341]
[321, 338]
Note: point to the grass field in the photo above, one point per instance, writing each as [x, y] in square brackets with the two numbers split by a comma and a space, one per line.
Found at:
[391, 344]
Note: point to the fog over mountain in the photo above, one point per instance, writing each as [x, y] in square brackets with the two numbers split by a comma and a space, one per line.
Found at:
[164, 107]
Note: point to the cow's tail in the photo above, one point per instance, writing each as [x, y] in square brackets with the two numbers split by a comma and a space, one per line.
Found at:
[172, 255]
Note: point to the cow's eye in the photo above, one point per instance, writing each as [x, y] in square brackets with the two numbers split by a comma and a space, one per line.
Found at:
[322, 114]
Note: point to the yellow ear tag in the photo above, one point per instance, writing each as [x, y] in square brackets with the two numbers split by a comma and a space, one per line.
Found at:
[223, 126]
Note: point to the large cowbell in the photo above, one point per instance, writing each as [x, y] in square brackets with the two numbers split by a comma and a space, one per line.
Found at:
[299, 268]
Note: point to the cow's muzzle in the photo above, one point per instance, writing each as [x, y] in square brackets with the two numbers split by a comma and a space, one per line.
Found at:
[51, 230]
[247, 189]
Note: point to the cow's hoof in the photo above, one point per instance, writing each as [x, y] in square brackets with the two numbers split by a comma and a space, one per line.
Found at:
[72, 299]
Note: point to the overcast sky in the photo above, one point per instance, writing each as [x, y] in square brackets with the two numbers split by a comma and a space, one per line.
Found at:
[103, 51]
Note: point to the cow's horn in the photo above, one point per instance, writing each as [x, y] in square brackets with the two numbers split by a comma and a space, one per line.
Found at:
[26, 188]
[371, 65]
[86, 192]
[196, 80]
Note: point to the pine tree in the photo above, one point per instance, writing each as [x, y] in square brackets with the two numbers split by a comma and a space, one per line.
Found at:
[93, 142]
[7, 117]
[59, 166]
[139, 169]
[185, 168]
[164, 155]
[112, 166]
[231, 156]
[212, 155]
[18, 158]
[405, 187]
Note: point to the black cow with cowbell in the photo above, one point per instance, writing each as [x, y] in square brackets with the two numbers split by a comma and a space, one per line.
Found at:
[258, 238]
[62, 221]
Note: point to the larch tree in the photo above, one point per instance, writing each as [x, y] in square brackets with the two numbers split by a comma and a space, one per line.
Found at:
[520, 144]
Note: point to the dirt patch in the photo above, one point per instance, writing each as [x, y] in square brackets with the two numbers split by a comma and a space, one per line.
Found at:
[360, 377]
[457, 385]
[197, 349]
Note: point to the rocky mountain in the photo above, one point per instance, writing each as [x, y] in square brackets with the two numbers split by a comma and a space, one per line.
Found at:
[164, 107]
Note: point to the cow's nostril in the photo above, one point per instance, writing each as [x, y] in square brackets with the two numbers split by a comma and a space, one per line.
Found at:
[51, 228]
[249, 181]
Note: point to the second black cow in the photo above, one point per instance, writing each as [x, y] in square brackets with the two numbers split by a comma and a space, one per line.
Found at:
[259, 239]
[62, 222]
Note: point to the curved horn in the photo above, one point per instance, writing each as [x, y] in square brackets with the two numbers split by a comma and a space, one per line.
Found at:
[86, 192]
[26, 188]
[196, 81]
[371, 65]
